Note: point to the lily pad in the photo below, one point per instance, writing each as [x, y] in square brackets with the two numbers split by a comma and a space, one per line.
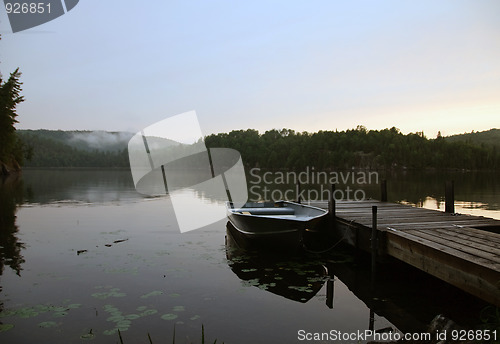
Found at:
[7, 313]
[87, 336]
[5, 327]
[101, 296]
[179, 309]
[116, 318]
[132, 316]
[169, 316]
[112, 293]
[47, 324]
[27, 313]
[110, 332]
[149, 312]
[123, 324]
[141, 308]
[153, 293]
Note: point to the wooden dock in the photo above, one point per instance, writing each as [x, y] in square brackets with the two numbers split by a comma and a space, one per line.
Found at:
[462, 250]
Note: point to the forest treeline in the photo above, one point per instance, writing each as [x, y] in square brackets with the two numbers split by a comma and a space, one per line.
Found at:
[57, 148]
[283, 149]
[360, 148]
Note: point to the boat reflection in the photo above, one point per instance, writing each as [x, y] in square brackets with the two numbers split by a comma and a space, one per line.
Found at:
[291, 277]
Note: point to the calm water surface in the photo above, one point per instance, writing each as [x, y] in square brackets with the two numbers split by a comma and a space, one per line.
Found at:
[83, 255]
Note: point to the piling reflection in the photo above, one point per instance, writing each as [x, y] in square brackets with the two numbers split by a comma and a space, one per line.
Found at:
[295, 279]
[11, 195]
[406, 297]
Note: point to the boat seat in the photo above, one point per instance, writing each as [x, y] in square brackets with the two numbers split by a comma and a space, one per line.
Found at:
[267, 211]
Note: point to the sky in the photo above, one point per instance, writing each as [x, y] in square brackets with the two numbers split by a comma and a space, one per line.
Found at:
[305, 65]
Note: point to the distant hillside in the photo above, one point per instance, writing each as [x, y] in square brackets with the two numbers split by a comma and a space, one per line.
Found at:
[57, 148]
[83, 140]
[489, 137]
[360, 148]
[53, 148]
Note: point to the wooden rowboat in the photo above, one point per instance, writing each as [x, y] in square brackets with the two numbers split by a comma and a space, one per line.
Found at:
[278, 224]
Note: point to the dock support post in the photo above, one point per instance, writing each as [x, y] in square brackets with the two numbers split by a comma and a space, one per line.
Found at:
[449, 197]
[331, 208]
[330, 292]
[374, 240]
[298, 193]
[383, 190]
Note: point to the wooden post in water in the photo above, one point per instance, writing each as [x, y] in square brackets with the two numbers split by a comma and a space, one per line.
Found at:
[371, 323]
[374, 240]
[383, 190]
[331, 208]
[449, 197]
[298, 192]
[330, 292]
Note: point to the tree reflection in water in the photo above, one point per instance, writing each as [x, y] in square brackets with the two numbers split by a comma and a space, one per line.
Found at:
[11, 195]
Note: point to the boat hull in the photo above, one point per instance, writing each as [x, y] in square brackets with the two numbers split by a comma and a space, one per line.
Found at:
[280, 226]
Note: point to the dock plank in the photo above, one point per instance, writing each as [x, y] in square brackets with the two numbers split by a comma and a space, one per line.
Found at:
[483, 241]
[458, 244]
[451, 247]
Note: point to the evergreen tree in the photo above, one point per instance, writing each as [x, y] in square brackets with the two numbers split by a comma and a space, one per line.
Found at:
[11, 148]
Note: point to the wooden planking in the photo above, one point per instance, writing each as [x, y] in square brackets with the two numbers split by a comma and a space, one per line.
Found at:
[473, 275]
[474, 233]
[486, 241]
[458, 244]
[442, 244]
[453, 253]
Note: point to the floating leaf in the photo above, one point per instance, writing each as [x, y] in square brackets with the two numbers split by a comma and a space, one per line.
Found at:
[141, 308]
[27, 313]
[124, 323]
[132, 316]
[42, 308]
[59, 309]
[7, 313]
[174, 295]
[110, 332]
[47, 324]
[59, 314]
[5, 327]
[149, 312]
[87, 336]
[116, 318]
[101, 296]
[112, 293]
[169, 316]
[153, 293]
[179, 309]
[194, 317]
[110, 308]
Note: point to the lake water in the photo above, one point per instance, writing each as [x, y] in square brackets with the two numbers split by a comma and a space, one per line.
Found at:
[83, 255]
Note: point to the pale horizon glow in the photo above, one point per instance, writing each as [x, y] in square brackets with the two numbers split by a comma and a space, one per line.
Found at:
[120, 66]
